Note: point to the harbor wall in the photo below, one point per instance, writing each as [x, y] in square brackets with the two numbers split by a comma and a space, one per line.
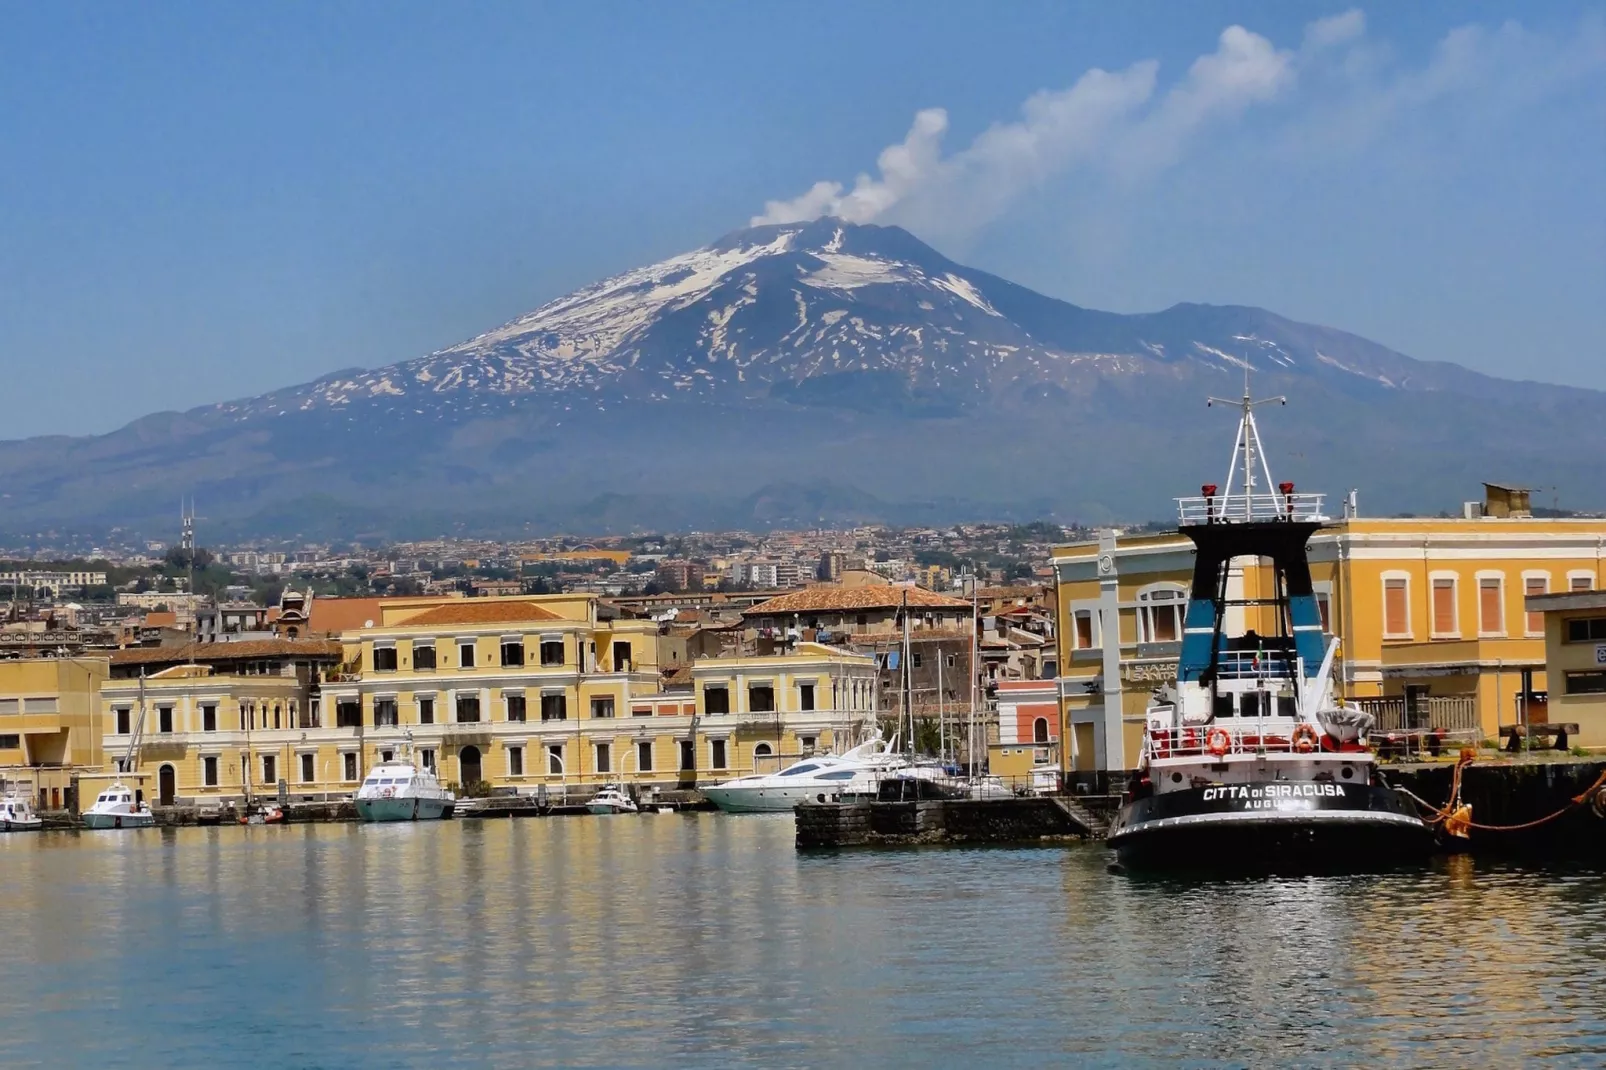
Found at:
[1024, 820]
[1509, 797]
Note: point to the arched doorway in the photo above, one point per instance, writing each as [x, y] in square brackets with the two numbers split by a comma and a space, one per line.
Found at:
[166, 785]
[468, 760]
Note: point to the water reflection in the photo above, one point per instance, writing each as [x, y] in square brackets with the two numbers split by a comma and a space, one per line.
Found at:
[707, 940]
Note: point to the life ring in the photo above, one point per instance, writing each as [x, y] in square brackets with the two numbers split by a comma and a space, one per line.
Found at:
[1306, 738]
[1218, 742]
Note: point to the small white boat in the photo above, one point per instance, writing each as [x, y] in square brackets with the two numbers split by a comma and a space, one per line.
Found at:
[16, 815]
[116, 808]
[401, 791]
[854, 774]
[612, 800]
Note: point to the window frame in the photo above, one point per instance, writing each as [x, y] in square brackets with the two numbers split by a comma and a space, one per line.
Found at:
[419, 647]
[717, 755]
[307, 767]
[1528, 576]
[209, 770]
[1484, 577]
[600, 703]
[1147, 607]
[515, 760]
[514, 708]
[1404, 580]
[1435, 578]
[644, 747]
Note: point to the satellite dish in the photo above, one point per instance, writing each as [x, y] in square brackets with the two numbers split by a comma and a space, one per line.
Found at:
[367, 624]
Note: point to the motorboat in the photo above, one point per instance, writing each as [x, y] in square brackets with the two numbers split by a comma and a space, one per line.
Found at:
[263, 815]
[17, 814]
[612, 799]
[856, 773]
[399, 790]
[118, 808]
[1248, 762]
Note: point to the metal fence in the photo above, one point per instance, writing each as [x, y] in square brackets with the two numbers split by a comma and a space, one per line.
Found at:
[1449, 713]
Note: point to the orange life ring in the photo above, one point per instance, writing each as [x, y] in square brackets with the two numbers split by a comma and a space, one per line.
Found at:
[1306, 738]
[1218, 742]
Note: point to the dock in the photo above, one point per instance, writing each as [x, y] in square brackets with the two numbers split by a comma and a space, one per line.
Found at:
[1028, 819]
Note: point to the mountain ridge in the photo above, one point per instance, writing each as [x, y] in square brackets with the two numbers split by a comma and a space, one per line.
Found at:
[794, 353]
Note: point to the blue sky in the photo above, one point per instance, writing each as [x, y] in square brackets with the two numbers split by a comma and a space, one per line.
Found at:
[204, 201]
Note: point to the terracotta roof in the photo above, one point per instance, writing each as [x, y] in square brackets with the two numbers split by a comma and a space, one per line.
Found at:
[480, 611]
[249, 648]
[331, 616]
[839, 599]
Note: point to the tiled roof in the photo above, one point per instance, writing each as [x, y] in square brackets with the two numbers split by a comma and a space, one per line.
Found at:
[843, 599]
[248, 648]
[331, 616]
[480, 611]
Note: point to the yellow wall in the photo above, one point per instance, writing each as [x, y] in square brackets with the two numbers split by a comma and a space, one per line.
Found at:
[1562, 657]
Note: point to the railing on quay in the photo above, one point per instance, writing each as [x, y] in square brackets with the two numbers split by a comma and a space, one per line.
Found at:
[1447, 713]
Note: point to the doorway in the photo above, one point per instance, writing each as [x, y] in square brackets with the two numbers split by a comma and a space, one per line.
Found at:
[468, 760]
[166, 786]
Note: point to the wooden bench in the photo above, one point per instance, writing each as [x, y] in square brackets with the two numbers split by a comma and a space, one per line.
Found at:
[1556, 734]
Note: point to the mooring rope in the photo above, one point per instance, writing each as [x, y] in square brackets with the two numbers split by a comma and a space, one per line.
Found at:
[1456, 816]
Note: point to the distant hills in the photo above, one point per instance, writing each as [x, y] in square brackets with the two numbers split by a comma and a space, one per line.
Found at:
[808, 373]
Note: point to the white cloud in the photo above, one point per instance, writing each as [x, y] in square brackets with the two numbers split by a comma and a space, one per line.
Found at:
[1118, 124]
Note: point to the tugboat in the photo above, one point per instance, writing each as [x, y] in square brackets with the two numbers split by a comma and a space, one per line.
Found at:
[1248, 763]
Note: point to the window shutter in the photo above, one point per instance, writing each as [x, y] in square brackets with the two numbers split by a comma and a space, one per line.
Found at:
[1531, 586]
[1489, 615]
[1443, 606]
[1394, 615]
[1581, 583]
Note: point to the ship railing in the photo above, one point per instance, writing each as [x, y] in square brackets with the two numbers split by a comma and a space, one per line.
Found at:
[1244, 508]
[1252, 665]
[1248, 738]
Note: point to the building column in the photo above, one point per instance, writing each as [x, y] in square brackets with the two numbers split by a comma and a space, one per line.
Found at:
[1113, 741]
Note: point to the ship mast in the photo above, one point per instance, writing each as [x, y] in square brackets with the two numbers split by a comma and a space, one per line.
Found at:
[1246, 450]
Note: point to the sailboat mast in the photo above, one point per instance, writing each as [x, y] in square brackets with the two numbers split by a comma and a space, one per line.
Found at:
[970, 737]
[908, 681]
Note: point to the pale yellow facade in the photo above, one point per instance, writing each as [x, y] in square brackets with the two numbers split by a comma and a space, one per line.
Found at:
[505, 695]
[1429, 613]
[1575, 662]
[50, 726]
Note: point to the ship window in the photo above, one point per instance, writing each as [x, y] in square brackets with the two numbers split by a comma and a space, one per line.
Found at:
[1249, 704]
[800, 770]
[1223, 706]
[838, 774]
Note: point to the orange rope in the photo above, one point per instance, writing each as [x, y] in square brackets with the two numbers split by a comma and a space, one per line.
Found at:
[1457, 817]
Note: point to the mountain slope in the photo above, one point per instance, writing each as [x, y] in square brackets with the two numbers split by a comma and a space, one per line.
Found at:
[851, 359]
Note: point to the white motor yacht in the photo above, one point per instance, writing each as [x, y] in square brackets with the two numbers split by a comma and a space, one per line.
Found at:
[16, 815]
[401, 791]
[856, 773]
[612, 800]
[117, 808]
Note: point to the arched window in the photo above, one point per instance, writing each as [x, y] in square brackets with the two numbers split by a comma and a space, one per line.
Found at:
[1161, 607]
[762, 750]
[1040, 730]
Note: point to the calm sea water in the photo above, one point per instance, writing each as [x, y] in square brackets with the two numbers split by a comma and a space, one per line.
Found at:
[706, 940]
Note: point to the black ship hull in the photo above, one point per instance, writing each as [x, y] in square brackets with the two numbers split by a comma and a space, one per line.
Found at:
[1273, 826]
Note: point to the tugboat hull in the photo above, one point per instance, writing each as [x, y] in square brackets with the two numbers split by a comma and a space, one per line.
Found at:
[1270, 827]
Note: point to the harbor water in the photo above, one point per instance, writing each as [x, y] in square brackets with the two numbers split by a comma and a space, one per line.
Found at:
[706, 940]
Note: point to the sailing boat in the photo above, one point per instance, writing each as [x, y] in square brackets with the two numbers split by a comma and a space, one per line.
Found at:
[119, 806]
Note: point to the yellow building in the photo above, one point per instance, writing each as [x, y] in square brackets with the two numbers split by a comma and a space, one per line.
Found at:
[1575, 662]
[1430, 614]
[50, 729]
[507, 694]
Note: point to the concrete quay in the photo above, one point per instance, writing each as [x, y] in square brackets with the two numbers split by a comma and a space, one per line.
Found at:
[1031, 819]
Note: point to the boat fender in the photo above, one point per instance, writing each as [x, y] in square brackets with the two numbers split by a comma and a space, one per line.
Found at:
[1597, 803]
[1306, 738]
[1218, 742]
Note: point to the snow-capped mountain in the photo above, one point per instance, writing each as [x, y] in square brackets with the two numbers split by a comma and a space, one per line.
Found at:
[814, 371]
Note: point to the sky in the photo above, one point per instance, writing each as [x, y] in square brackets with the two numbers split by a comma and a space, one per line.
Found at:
[201, 202]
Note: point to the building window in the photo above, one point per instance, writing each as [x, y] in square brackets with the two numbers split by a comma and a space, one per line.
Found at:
[1586, 683]
[384, 659]
[761, 698]
[122, 721]
[164, 718]
[602, 707]
[1396, 607]
[1586, 629]
[426, 709]
[385, 714]
[716, 700]
[621, 657]
[915, 659]
[807, 744]
[348, 714]
[209, 771]
[551, 652]
[348, 764]
[1084, 630]
[426, 758]
[270, 770]
[1160, 614]
[308, 768]
[515, 707]
[1443, 621]
[604, 758]
[805, 697]
[762, 750]
[512, 652]
[1491, 611]
[423, 656]
[716, 753]
[209, 718]
[1531, 586]
[1580, 581]
[1040, 730]
[1324, 611]
[554, 708]
[468, 709]
[387, 756]
[644, 756]
[554, 759]
[688, 756]
[465, 655]
[515, 761]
